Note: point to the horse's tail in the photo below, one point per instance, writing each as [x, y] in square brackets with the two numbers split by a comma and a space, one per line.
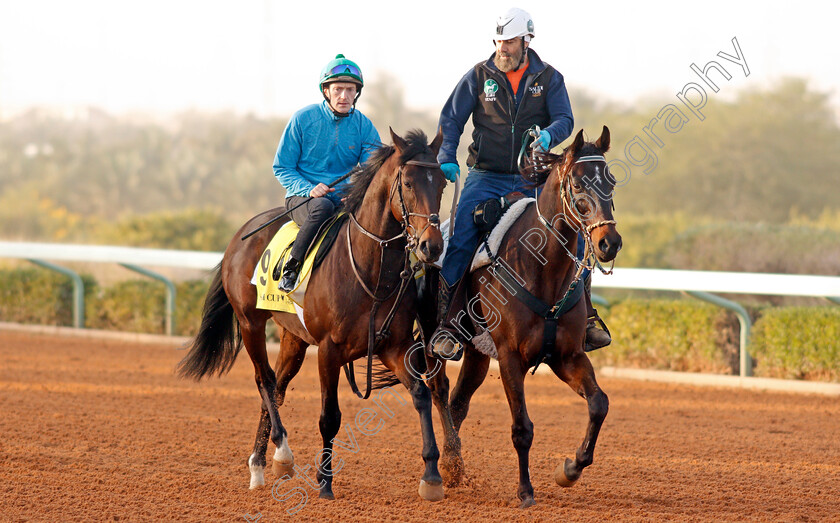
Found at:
[218, 342]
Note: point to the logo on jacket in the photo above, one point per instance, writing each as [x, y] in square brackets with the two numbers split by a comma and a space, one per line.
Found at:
[490, 88]
[536, 90]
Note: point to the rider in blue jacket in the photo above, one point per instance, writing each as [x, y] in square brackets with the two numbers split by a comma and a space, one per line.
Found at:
[506, 95]
[321, 143]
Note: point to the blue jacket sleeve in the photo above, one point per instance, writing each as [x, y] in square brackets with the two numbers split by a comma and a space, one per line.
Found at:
[286, 161]
[559, 110]
[371, 140]
[454, 116]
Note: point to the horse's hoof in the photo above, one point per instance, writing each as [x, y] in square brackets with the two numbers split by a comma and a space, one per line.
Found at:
[430, 492]
[527, 502]
[453, 470]
[283, 469]
[560, 475]
[326, 495]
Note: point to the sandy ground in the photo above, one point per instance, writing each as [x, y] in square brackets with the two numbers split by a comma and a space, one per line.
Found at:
[102, 430]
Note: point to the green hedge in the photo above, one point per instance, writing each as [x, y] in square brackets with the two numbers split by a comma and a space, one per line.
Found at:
[140, 306]
[670, 335]
[43, 297]
[798, 342]
[39, 296]
[682, 335]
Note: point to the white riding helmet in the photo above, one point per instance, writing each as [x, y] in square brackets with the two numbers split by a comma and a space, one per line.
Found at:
[513, 24]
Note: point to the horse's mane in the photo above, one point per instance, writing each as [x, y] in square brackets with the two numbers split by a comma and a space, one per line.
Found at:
[363, 174]
[548, 161]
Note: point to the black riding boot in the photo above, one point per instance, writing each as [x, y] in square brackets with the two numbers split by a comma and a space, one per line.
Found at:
[595, 337]
[447, 342]
[290, 275]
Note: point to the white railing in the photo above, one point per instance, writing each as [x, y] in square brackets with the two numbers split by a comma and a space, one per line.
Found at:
[697, 284]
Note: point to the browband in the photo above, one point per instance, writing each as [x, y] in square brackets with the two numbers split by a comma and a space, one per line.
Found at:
[591, 159]
[433, 165]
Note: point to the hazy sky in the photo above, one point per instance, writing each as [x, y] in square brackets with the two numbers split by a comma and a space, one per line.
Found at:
[265, 56]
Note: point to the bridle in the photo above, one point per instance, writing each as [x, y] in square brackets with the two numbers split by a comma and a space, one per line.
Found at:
[412, 240]
[408, 232]
[537, 163]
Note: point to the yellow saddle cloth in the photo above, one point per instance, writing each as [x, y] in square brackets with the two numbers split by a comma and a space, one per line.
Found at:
[269, 297]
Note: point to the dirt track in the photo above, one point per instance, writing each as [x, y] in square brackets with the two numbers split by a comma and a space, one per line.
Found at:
[102, 430]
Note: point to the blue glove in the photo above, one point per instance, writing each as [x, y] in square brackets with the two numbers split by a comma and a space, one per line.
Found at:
[451, 171]
[544, 141]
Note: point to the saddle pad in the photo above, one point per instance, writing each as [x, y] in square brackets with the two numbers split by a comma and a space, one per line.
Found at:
[497, 235]
[269, 297]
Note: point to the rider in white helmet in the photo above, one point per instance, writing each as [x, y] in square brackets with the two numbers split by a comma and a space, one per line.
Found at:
[505, 95]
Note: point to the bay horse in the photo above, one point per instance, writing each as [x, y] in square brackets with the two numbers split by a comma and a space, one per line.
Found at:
[393, 203]
[576, 196]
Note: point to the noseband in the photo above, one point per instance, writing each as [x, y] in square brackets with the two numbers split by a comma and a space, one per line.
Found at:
[432, 220]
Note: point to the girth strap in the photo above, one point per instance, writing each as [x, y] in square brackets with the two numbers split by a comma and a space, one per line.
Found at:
[550, 313]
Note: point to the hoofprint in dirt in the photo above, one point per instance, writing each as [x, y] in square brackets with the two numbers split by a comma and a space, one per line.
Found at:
[99, 429]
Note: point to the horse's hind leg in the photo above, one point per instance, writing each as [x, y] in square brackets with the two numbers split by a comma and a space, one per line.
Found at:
[578, 374]
[289, 359]
[253, 336]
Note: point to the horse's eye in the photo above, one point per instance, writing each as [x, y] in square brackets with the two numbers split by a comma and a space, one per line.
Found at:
[407, 184]
[576, 186]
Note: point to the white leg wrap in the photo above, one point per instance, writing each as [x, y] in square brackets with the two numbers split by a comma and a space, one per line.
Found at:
[257, 473]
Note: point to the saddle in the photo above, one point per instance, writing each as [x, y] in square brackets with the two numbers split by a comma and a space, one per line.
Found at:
[494, 217]
[324, 240]
[488, 213]
[270, 266]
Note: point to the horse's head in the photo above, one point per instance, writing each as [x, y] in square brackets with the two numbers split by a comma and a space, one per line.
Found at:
[416, 190]
[587, 193]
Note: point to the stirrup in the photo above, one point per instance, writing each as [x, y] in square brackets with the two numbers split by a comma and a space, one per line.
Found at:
[596, 338]
[445, 344]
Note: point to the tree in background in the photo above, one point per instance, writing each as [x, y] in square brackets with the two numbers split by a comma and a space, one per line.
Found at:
[770, 155]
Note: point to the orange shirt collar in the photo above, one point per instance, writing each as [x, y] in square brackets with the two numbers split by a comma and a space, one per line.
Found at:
[515, 76]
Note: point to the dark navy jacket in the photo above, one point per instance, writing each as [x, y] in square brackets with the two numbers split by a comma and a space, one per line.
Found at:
[500, 116]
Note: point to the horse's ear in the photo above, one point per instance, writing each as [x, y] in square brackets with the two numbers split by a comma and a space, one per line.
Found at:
[437, 142]
[603, 143]
[576, 144]
[399, 143]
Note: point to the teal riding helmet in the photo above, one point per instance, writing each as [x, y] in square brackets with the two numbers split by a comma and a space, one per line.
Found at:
[340, 69]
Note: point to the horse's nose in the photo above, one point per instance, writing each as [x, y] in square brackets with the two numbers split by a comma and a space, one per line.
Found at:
[430, 250]
[609, 248]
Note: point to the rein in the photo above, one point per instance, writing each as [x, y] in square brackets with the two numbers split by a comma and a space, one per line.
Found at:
[376, 337]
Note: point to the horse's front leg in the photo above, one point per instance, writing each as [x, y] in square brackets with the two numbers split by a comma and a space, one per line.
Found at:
[451, 463]
[431, 484]
[522, 430]
[578, 374]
